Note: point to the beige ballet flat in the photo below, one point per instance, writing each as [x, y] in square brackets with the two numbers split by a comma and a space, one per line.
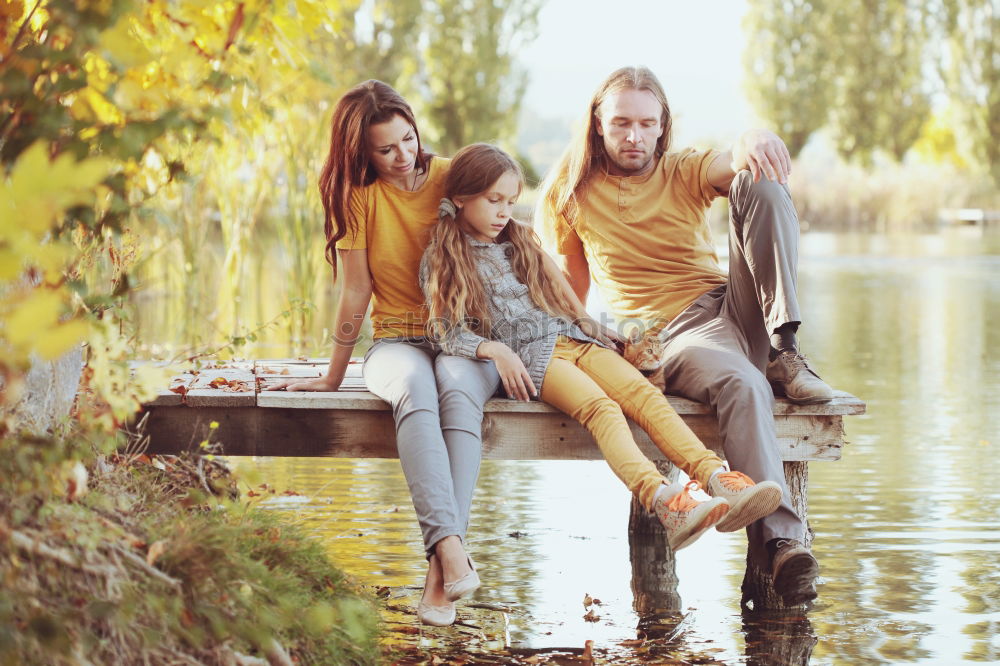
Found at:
[436, 616]
[464, 586]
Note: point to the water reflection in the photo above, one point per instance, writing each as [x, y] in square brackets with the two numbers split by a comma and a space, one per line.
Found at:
[778, 638]
[907, 527]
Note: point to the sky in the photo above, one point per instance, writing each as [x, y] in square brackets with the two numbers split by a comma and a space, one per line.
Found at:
[694, 47]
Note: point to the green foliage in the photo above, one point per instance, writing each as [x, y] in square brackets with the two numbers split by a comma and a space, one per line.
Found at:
[474, 88]
[972, 76]
[92, 94]
[881, 100]
[147, 568]
[789, 66]
[855, 66]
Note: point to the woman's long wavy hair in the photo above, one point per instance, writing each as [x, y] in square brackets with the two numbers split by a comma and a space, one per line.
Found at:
[347, 164]
[585, 154]
[456, 293]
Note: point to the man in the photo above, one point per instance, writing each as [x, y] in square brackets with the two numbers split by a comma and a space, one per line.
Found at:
[619, 207]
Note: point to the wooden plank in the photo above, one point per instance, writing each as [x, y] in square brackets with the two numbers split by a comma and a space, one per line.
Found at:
[197, 378]
[287, 370]
[355, 423]
[842, 404]
[168, 398]
[354, 394]
[238, 391]
[268, 431]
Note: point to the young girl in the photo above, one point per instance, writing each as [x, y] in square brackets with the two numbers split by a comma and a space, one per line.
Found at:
[494, 294]
[380, 192]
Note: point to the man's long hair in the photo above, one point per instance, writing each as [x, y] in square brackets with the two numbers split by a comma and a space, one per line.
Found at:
[347, 162]
[456, 296]
[585, 154]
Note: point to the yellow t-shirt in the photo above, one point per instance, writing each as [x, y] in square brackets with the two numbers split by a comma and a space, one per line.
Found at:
[646, 238]
[395, 225]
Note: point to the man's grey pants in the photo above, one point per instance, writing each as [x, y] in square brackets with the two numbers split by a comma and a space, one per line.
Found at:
[717, 348]
[437, 403]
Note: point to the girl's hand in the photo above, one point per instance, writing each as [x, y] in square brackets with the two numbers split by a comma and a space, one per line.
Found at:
[323, 383]
[602, 334]
[516, 380]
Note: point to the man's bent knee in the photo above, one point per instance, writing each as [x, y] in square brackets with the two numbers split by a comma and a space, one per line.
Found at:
[744, 188]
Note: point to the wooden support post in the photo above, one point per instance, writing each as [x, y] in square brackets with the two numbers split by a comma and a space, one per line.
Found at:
[654, 575]
[758, 590]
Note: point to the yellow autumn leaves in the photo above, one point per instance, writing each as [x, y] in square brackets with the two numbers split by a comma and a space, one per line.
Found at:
[35, 308]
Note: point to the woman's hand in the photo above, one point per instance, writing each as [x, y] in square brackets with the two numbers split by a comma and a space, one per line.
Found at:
[602, 334]
[323, 383]
[516, 380]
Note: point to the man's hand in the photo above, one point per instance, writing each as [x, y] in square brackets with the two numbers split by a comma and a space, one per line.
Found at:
[516, 380]
[764, 153]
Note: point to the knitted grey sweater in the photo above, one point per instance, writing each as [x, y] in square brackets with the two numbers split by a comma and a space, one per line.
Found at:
[516, 321]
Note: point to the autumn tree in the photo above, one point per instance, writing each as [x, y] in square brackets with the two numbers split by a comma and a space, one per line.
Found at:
[101, 104]
[472, 85]
[972, 76]
[854, 66]
[789, 66]
[881, 100]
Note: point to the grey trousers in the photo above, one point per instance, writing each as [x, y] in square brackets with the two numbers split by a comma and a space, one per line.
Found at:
[437, 403]
[717, 348]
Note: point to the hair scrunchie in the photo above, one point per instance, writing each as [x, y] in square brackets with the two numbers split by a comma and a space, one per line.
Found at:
[447, 208]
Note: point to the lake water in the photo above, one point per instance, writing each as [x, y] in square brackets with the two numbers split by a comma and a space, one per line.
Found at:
[907, 524]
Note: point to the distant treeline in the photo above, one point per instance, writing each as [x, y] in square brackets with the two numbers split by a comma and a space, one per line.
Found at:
[874, 73]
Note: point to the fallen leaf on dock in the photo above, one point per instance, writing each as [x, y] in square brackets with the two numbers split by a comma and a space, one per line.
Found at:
[230, 385]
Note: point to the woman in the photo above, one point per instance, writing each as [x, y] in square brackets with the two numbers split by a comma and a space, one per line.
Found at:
[380, 194]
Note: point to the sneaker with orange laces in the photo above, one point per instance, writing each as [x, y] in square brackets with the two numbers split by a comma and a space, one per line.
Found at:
[748, 501]
[685, 518]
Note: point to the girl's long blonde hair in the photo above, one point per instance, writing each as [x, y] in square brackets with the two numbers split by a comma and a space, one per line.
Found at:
[456, 296]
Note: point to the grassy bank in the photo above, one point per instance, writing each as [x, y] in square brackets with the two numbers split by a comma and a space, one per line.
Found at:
[156, 560]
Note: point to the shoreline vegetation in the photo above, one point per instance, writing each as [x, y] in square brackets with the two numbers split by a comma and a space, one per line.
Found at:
[134, 559]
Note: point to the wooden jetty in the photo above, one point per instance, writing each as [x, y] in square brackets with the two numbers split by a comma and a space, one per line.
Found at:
[353, 423]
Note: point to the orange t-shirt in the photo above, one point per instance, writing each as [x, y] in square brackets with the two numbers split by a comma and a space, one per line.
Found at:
[394, 226]
[646, 238]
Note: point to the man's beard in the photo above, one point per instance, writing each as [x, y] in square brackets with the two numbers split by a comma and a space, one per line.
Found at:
[633, 164]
